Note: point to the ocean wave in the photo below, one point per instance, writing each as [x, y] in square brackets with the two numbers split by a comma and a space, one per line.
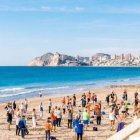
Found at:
[21, 91]
[15, 94]
[55, 88]
[126, 80]
[11, 89]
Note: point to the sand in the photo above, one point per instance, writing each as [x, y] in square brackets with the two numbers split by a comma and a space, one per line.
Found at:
[62, 133]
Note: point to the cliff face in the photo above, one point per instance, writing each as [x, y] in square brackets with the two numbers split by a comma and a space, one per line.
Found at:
[56, 59]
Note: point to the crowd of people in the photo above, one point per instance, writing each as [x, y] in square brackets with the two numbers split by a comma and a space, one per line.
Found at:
[79, 117]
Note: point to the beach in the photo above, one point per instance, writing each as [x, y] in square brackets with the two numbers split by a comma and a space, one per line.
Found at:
[62, 133]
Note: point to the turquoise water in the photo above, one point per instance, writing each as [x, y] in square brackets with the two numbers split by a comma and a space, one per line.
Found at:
[24, 82]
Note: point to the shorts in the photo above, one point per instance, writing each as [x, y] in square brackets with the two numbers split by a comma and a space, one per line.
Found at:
[126, 109]
[85, 122]
[53, 123]
[123, 111]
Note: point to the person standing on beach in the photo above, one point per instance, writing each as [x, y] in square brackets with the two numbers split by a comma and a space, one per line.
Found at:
[22, 126]
[41, 110]
[112, 119]
[53, 120]
[55, 113]
[70, 118]
[125, 93]
[14, 105]
[34, 119]
[59, 117]
[48, 128]
[74, 100]
[98, 116]
[17, 127]
[126, 103]
[69, 106]
[49, 105]
[83, 99]
[79, 130]
[107, 100]
[88, 97]
[112, 96]
[9, 118]
[26, 105]
[85, 118]
[75, 122]
[22, 109]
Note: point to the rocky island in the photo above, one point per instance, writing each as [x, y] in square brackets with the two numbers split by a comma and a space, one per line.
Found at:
[99, 59]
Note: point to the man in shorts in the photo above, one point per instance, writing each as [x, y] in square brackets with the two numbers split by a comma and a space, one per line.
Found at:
[85, 118]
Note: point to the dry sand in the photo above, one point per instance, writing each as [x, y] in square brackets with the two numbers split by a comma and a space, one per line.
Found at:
[62, 133]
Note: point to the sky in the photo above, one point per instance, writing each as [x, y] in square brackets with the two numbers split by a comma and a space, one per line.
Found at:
[30, 28]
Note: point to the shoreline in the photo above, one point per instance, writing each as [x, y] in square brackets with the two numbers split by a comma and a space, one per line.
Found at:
[80, 92]
[54, 96]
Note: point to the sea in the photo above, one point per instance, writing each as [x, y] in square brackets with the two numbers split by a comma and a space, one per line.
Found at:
[25, 82]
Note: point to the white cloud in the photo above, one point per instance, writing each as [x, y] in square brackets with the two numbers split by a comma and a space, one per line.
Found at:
[43, 9]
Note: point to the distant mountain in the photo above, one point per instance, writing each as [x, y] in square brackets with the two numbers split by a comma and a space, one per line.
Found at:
[98, 59]
[101, 55]
[50, 59]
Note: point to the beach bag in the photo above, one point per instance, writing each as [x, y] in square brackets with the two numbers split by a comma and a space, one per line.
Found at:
[95, 129]
[52, 138]
[103, 113]
[120, 126]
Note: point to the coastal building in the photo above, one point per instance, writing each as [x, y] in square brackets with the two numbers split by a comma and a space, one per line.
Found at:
[122, 57]
[128, 57]
[101, 57]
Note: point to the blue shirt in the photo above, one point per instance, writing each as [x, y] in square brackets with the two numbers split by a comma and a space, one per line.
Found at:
[79, 116]
[79, 129]
[75, 122]
[22, 123]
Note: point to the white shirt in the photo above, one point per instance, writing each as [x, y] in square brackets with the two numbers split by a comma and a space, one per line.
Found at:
[58, 114]
[111, 116]
[17, 121]
[49, 103]
[22, 106]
